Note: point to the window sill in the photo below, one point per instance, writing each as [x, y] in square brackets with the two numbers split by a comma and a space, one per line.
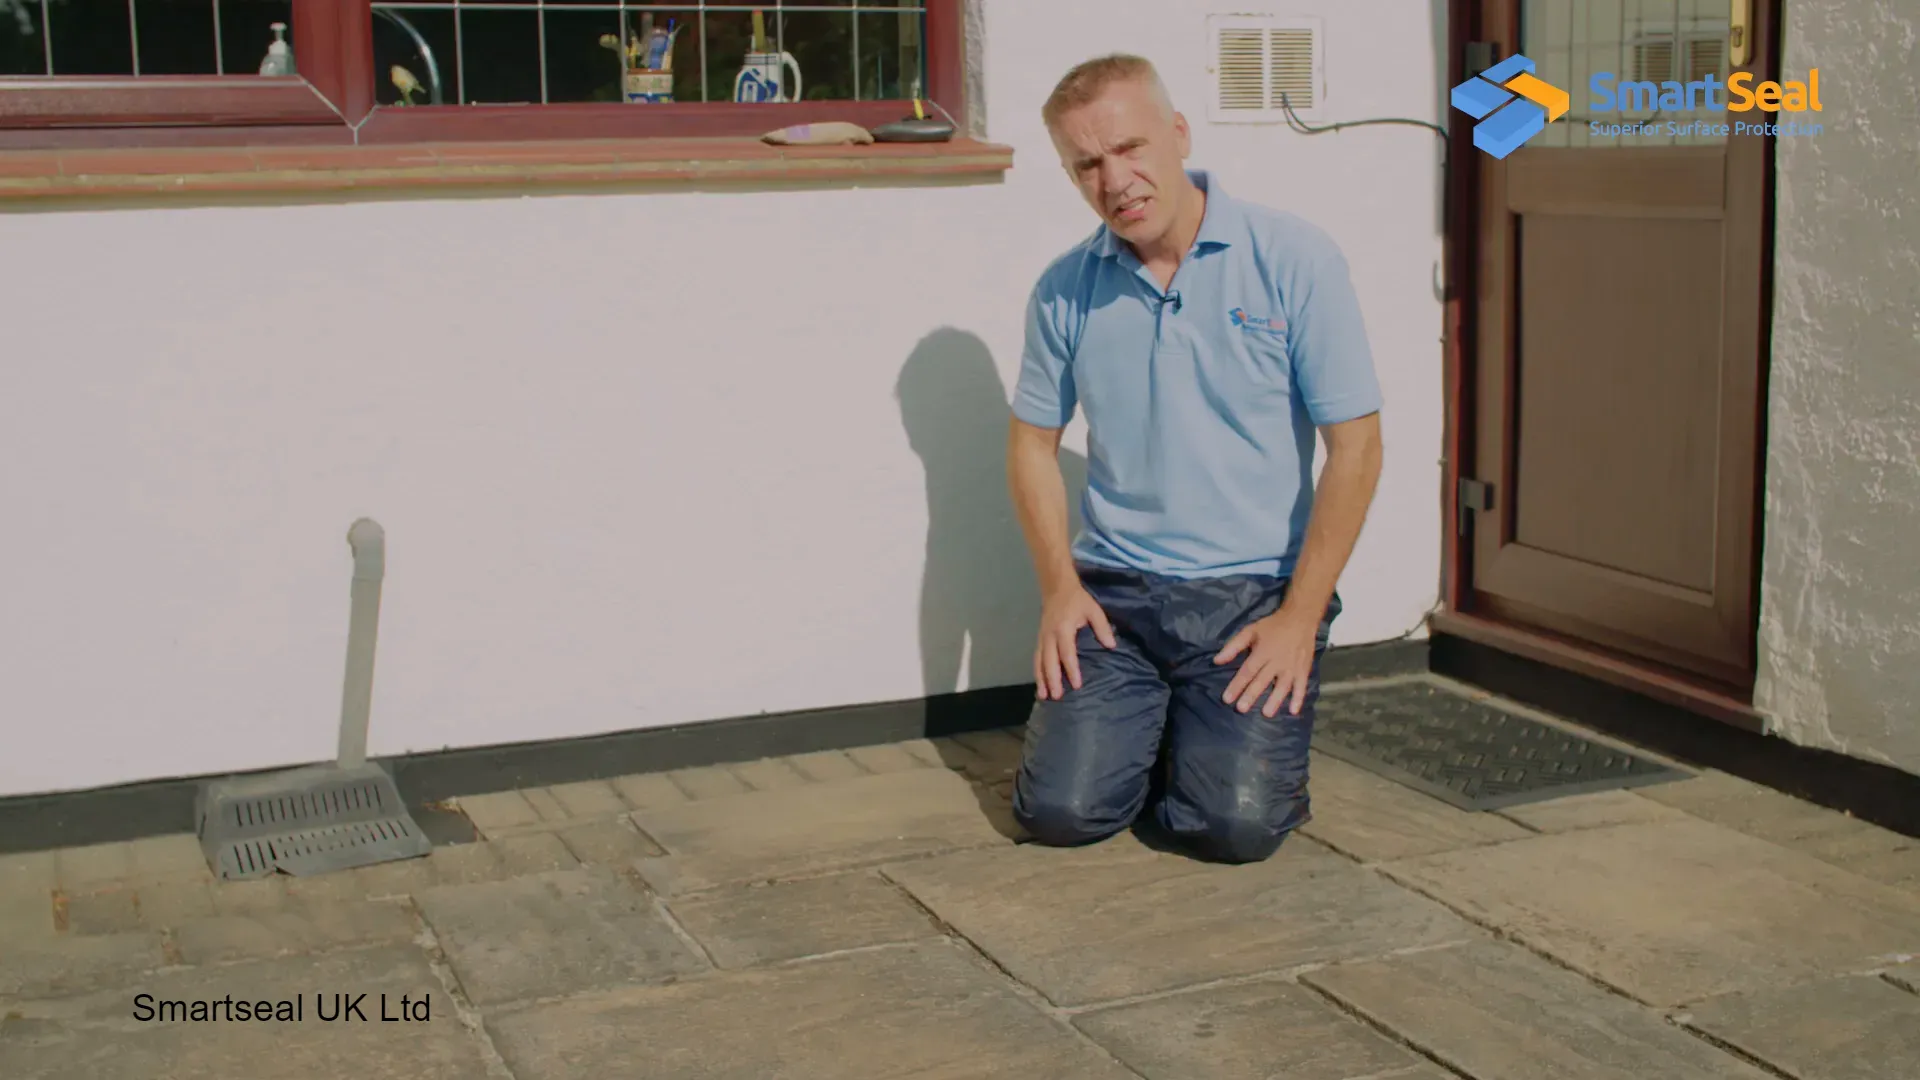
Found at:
[34, 175]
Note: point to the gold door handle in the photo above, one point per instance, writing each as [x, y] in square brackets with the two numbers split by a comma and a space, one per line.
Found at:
[1739, 45]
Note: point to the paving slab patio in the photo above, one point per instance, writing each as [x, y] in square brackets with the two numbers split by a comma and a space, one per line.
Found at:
[552, 934]
[1372, 818]
[121, 1033]
[928, 1010]
[1120, 919]
[1672, 912]
[1906, 976]
[1858, 1028]
[1493, 1011]
[750, 926]
[1256, 1029]
[836, 825]
[26, 891]
[876, 914]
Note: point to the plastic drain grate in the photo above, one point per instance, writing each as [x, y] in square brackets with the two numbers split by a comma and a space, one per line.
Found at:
[1468, 752]
[309, 821]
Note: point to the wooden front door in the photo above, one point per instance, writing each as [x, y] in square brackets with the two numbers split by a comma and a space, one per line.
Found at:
[1618, 358]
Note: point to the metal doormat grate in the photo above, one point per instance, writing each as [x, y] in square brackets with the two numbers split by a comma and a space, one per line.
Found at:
[1469, 752]
[309, 821]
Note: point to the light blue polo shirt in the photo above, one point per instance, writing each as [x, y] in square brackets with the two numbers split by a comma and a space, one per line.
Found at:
[1201, 401]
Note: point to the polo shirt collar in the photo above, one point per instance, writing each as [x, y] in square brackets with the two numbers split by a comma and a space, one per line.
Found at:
[1217, 226]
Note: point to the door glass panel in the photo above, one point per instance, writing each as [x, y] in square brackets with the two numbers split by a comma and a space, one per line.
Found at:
[1646, 53]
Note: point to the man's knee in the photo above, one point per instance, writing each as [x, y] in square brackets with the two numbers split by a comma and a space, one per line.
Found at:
[1242, 840]
[1247, 832]
[1064, 819]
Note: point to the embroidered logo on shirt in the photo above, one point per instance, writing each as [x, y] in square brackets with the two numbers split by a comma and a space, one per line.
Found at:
[1256, 323]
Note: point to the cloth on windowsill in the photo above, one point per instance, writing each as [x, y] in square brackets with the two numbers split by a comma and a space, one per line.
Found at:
[831, 133]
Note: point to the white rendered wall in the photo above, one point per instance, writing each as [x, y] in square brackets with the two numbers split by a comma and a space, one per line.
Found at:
[1839, 586]
[639, 456]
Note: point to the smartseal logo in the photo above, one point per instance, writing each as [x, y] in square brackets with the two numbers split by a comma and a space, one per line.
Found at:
[1511, 103]
[1264, 325]
[1736, 95]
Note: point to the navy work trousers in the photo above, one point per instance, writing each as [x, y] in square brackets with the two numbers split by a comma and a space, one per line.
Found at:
[1148, 725]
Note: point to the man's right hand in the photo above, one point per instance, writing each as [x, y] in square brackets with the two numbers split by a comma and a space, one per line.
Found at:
[1062, 615]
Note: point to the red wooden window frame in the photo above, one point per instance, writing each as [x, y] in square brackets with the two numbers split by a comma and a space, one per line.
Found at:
[332, 101]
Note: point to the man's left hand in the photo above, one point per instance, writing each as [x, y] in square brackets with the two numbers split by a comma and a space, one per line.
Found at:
[1281, 657]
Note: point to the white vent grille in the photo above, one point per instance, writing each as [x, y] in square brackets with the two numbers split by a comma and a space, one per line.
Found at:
[1242, 70]
[1262, 66]
[1291, 56]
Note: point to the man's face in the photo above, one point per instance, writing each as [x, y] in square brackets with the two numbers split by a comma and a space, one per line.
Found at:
[1127, 157]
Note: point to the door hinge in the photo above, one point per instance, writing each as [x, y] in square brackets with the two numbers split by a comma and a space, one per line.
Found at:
[1473, 495]
[1478, 58]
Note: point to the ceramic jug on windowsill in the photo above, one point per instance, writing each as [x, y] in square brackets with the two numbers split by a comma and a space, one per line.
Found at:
[759, 78]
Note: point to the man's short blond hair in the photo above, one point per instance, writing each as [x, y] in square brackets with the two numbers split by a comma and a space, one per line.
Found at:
[1087, 80]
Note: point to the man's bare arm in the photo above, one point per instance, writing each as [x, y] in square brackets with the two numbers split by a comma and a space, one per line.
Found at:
[1345, 493]
[1040, 501]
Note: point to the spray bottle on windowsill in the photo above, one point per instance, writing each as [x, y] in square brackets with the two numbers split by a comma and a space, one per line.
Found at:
[279, 59]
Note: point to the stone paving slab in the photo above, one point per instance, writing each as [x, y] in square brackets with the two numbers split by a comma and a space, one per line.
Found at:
[1703, 792]
[924, 751]
[992, 755]
[381, 881]
[796, 832]
[885, 758]
[1907, 976]
[1117, 920]
[1828, 835]
[749, 926]
[545, 804]
[927, 1011]
[302, 928]
[166, 905]
[607, 843]
[535, 853]
[1496, 1012]
[770, 774]
[174, 855]
[589, 799]
[1870, 851]
[555, 933]
[1847, 1029]
[1757, 811]
[70, 965]
[1372, 818]
[497, 810]
[26, 896]
[1675, 912]
[271, 893]
[111, 1036]
[646, 791]
[93, 866]
[708, 782]
[1251, 1031]
[449, 864]
[111, 911]
[1593, 811]
[826, 766]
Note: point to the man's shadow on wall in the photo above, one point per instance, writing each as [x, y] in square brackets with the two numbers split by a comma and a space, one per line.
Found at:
[979, 601]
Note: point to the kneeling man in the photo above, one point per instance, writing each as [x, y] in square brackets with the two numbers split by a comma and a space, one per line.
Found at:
[1208, 340]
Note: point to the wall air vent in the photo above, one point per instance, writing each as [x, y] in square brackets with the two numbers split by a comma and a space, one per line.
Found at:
[1258, 63]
